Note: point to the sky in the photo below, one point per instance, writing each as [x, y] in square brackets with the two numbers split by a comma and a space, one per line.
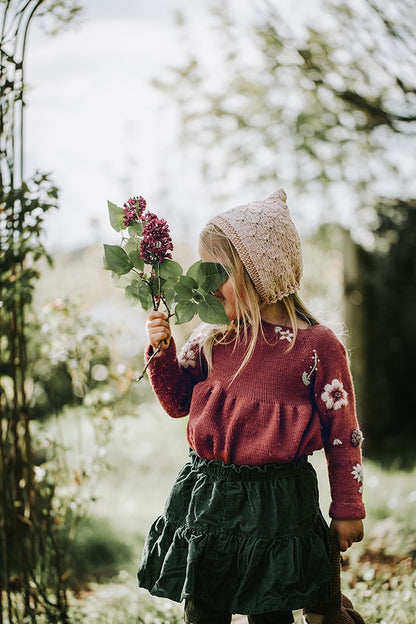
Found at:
[93, 118]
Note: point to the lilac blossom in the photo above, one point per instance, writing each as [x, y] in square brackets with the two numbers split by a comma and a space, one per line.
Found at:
[133, 210]
[156, 242]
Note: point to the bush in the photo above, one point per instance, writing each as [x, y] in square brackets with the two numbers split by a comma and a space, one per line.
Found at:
[98, 551]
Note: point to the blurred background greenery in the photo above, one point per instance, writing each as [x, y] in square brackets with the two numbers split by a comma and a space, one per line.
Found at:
[320, 101]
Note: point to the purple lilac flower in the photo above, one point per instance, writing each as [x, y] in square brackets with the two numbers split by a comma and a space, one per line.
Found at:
[133, 210]
[156, 243]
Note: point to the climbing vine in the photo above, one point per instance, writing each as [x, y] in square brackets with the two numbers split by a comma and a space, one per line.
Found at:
[32, 576]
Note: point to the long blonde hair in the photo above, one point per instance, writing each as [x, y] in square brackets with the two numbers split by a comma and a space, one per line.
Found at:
[217, 247]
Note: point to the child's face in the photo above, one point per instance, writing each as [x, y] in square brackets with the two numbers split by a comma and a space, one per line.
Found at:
[225, 293]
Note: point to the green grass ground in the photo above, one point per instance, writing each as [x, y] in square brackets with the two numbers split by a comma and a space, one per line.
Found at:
[143, 455]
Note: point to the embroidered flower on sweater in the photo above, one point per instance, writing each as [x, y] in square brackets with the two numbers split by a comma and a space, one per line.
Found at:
[358, 473]
[357, 437]
[337, 442]
[284, 334]
[306, 376]
[334, 395]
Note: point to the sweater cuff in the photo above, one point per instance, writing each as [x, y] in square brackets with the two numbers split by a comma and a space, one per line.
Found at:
[346, 481]
[347, 511]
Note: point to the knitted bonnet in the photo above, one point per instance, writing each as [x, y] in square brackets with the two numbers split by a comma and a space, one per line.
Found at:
[267, 243]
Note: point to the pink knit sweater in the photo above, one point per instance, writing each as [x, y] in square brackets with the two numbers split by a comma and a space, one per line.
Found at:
[282, 405]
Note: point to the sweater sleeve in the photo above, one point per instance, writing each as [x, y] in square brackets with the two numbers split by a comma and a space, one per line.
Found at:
[335, 401]
[173, 377]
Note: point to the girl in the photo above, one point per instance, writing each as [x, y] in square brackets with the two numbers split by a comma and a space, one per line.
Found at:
[242, 531]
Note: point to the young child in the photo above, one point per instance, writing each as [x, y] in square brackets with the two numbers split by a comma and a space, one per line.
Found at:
[242, 531]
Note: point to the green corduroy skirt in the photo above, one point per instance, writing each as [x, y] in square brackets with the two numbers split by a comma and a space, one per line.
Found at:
[244, 539]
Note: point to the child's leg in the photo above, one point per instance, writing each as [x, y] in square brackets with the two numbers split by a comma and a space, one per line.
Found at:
[196, 612]
[277, 617]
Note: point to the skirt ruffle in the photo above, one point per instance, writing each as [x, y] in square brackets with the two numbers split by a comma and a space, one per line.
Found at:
[244, 539]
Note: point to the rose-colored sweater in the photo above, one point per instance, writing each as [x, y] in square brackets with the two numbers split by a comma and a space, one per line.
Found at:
[281, 406]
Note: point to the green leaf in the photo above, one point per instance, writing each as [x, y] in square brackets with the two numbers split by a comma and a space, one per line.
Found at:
[185, 312]
[132, 249]
[136, 228]
[116, 216]
[164, 288]
[211, 275]
[189, 282]
[210, 310]
[170, 269]
[138, 263]
[185, 286]
[121, 281]
[105, 263]
[208, 275]
[168, 294]
[132, 294]
[198, 296]
[193, 270]
[144, 295]
[138, 292]
[116, 259]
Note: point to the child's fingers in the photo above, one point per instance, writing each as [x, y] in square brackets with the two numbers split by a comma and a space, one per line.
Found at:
[157, 324]
[346, 532]
[156, 314]
[161, 338]
[158, 330]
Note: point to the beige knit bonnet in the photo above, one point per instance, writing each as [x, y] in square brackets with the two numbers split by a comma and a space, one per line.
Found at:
[268, 244]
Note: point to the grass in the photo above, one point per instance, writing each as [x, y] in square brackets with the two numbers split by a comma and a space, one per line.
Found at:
[144, 453]
[121, 602]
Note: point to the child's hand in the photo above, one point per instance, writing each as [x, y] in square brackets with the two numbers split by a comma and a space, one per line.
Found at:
[346, 532]
[158, 330]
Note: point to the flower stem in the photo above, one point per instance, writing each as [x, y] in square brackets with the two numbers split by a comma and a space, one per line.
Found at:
[154, 354]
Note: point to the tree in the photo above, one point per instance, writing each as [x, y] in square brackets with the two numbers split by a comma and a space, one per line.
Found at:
[380, 290]
[24, 532]
[327, 106]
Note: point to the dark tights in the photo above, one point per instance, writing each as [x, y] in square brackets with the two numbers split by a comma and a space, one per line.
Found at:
[197, 612]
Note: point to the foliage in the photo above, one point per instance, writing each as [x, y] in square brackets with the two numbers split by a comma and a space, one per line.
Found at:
[381, 297]
[30, 550]
[151, 277]
[33, 543]
[98, 550]
[59, 14]
[66, 341]
[68, 356]
[328, 105]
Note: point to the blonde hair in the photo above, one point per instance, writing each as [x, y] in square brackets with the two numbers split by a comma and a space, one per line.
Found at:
[217, 247]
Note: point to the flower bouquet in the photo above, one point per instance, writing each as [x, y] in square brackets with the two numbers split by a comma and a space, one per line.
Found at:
[142, 264]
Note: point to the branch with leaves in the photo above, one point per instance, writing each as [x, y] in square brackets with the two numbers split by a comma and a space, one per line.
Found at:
[152, 277]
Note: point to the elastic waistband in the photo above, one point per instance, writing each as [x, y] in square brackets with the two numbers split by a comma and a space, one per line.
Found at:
[218, 469]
